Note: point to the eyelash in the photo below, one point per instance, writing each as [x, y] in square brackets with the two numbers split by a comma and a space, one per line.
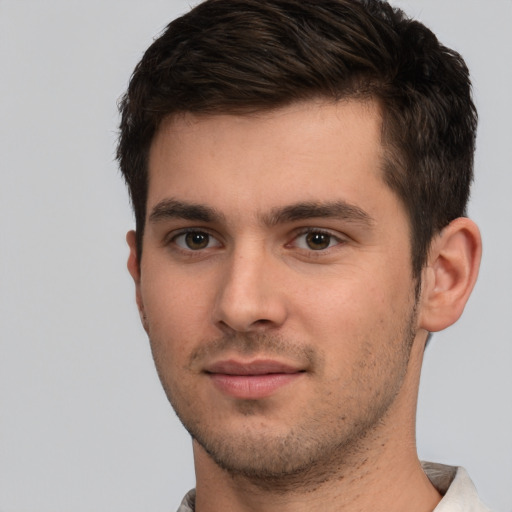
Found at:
[191, 231]
[317, 231]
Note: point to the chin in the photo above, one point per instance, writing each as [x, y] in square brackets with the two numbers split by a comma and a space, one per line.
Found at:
[269, 460]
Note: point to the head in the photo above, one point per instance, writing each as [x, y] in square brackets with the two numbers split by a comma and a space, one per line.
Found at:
[244, 56]
[295, 170]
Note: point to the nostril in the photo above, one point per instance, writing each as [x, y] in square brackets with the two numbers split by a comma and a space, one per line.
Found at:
[262, 322]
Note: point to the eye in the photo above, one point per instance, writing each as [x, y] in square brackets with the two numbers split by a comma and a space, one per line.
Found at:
[315, 240]
[195, 240]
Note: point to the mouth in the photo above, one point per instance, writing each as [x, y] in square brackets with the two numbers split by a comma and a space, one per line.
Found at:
[252, 380]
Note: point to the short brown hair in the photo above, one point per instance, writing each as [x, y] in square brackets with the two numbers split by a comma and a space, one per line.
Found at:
[238, 56]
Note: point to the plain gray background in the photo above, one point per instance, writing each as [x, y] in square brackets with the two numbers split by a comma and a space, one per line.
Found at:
[84, 424]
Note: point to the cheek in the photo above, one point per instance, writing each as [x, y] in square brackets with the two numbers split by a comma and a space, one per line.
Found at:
[344, 315]
[361, 298]
[171, 293]
[176, 309]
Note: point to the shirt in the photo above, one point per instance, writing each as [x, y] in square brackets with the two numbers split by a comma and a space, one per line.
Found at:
[453, 483]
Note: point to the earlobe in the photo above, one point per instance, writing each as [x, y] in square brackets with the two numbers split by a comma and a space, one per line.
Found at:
[450, 274]
[133, 265]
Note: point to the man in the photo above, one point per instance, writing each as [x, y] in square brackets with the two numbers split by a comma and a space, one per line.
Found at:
[299, 173]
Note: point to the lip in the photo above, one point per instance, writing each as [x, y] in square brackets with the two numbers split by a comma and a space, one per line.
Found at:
[252, 380]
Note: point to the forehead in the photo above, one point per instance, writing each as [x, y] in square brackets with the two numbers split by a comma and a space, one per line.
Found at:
[310, 151]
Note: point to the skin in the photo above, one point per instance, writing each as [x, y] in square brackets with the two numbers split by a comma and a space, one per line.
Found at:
[271, 239]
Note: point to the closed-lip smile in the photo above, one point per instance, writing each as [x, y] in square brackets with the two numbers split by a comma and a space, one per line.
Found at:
[251, 380]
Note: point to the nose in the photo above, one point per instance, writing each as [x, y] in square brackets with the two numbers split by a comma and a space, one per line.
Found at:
[251, 295]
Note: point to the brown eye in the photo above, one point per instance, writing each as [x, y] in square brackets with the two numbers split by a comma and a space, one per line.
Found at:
[318, 241]
[195, 241]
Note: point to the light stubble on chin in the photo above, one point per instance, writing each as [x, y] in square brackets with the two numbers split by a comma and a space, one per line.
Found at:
[328, 436]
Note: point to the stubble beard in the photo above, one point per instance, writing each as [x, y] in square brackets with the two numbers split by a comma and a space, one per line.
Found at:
[328, 442]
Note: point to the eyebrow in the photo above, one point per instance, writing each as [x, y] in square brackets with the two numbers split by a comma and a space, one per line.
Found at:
[174, 209]
[308, 210]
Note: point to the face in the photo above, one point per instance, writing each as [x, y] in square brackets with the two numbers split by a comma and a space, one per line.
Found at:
[275, 283]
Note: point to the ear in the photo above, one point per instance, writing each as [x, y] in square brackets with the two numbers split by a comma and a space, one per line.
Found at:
[450, 274]
[133, 265]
